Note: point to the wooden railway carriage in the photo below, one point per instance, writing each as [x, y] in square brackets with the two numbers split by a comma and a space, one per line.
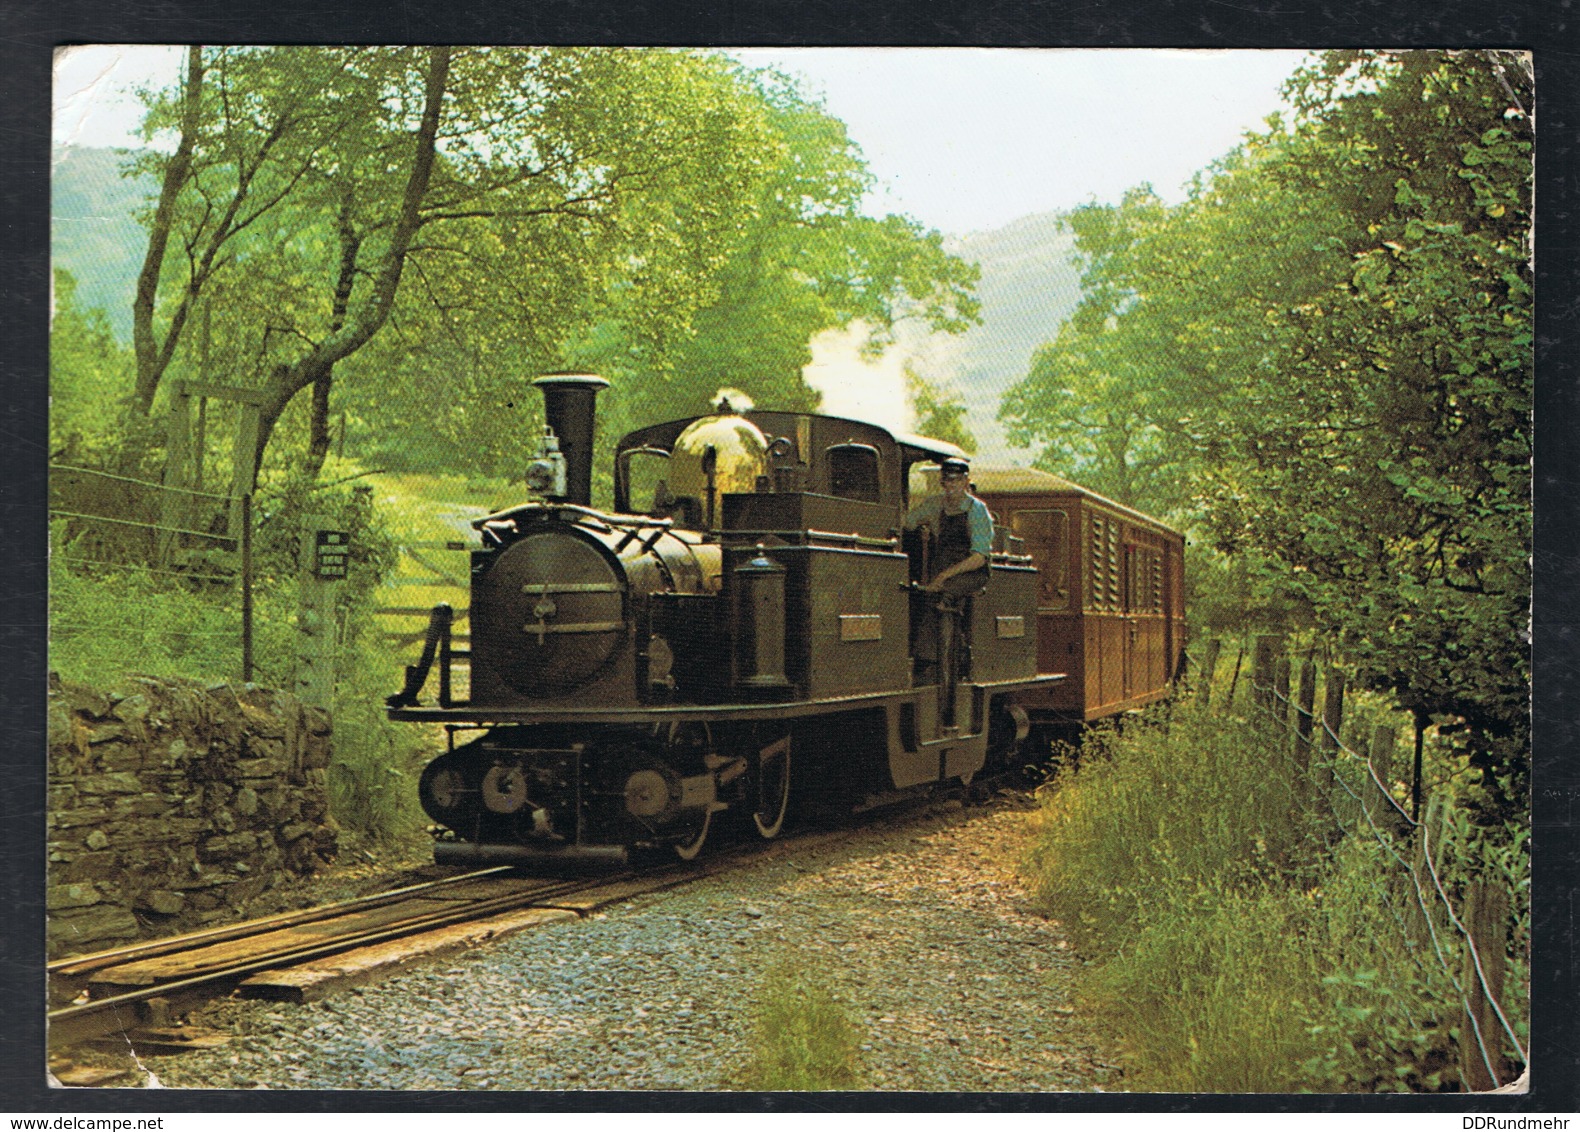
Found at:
[1110, 594]
[736, 634]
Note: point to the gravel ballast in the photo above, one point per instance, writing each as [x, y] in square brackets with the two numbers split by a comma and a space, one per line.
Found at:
[919, 927]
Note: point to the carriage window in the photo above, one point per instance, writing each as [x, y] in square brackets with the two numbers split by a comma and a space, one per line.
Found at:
[853, 472]
[1047, 535]
[1143, 580]
[921, 480]
[1104, 581]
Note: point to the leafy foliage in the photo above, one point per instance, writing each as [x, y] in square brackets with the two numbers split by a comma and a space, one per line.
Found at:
[408, 235]
[109, 622]
[423, 230]
[89, 375]
[939, 414]
[1323, 360]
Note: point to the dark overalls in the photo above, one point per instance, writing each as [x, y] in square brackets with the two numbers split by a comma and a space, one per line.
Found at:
[951, 544]
[954, 544]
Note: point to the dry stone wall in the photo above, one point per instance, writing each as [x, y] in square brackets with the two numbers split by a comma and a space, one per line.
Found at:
[173, 803]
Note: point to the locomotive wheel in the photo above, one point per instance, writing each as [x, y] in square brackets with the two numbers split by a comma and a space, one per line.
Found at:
[505, 788]
[688, 850]
[772, 800]
[684, 745]
[449, 790]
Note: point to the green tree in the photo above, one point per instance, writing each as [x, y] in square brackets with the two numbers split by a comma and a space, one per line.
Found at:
[497, 188]
[1173, 315]
[703, 288]
[425, 229]
[88, 374]
[939, 414]
[1406, 389]
[805, 260]
[1324, 356]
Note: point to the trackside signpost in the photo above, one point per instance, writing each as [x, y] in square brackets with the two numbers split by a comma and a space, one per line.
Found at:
[325, 553]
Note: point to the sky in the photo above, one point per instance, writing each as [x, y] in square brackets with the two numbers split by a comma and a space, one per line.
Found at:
[968, 139]
[962, 139]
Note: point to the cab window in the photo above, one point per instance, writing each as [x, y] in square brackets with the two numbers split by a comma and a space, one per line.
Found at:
[853, 472]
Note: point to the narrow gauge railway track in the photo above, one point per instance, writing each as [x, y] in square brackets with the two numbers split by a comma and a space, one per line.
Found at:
[130, 989]
[134, 993]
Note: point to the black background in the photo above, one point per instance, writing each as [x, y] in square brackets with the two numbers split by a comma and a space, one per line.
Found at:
[31, 29]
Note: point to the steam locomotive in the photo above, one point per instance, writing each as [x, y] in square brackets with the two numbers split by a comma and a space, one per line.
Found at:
[737, 640]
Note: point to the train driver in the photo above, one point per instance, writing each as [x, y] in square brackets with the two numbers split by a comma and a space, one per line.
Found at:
[962, 532]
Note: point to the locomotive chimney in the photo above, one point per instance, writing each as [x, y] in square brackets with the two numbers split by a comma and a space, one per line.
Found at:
[568, 400]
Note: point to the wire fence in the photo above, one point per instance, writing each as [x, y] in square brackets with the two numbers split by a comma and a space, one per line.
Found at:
[1347, 793]
[111, 526]
[114, 523]
[154, 524]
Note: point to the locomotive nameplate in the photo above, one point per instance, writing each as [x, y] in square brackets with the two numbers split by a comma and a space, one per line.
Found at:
[861, 626]
[1011, 627]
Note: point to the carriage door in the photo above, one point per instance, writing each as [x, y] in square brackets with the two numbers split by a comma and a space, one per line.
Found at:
[1144, 616]
[1047, 537]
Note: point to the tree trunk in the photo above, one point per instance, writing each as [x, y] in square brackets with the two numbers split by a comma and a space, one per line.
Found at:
[318, 431]
[152, 356]
[350, 247]
[361, 323]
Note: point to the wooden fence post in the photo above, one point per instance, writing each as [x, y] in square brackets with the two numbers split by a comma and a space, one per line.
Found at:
[1380, 755]
[246, 589]
[1209, 667]
[1281, 690]
[1239, 659]
[1416, 788]
[1332, 726]
[1306, 702]
[1486, 918]
[174, 503]
[245, 461]
[1428, 839]
[1262, 659]
[323, 563]
[199, 443]
[1332, 710]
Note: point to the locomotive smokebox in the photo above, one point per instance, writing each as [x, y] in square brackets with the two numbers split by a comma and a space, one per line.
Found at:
[569, 401]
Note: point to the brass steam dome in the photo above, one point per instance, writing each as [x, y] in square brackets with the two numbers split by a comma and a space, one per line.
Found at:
[739, 455]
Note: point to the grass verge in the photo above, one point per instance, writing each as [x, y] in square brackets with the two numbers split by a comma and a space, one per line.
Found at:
[1233, 950]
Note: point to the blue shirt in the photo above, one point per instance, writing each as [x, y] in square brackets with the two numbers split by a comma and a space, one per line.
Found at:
[931, 509]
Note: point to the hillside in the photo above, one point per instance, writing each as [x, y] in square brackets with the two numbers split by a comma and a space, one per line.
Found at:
[1029, 287]
[93, 228]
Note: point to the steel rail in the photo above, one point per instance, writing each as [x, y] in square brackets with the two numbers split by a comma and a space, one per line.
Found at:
[85, 1021]
[77, 965]
[100, 1018]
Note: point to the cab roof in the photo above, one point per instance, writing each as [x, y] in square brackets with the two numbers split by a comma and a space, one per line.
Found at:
[920, 447]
